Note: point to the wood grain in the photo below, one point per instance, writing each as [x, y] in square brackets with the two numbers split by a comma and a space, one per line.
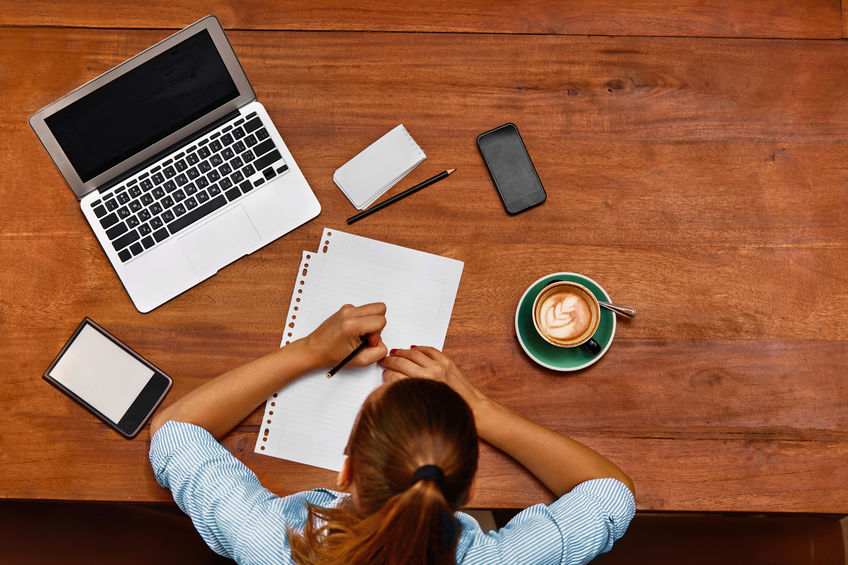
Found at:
[717, 18]
[700, 180]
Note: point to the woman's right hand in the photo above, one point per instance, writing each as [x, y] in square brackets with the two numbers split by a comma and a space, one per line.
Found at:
[430, 363]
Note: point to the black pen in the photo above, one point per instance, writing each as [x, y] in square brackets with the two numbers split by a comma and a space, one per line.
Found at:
[397, 197]
[347, 359]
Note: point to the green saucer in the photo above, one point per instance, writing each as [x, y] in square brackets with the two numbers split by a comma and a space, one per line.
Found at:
[551, 356]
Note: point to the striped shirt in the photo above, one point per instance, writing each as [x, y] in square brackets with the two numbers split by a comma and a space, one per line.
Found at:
[240, 519]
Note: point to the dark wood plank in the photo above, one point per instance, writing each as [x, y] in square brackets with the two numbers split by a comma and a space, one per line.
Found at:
[717, 18]
[711, 197]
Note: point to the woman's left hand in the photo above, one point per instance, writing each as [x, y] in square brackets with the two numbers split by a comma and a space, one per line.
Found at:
[342, 332]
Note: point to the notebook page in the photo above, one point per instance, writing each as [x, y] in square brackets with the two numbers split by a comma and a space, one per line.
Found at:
[310, 420]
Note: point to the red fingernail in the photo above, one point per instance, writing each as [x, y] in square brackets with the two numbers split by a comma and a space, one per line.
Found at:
[392, 352]
[413, 346]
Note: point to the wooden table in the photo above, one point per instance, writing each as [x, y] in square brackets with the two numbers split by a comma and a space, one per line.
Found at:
[696, 162]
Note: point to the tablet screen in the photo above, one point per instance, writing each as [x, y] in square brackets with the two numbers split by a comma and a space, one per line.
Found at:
[101, 373]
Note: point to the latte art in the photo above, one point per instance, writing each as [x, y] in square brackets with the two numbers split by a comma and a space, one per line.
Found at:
[565, 316]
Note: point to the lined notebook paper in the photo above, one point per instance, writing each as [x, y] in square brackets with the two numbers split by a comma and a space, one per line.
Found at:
[309, 421]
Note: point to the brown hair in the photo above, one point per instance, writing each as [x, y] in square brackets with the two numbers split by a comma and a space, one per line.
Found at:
[394, 519]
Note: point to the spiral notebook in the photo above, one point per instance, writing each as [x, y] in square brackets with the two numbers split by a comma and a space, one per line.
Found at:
[309, 421]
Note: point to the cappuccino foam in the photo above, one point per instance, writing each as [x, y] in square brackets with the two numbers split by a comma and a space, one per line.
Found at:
[565, 316]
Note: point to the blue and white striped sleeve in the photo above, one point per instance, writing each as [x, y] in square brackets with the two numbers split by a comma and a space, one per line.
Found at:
[572, 530]
[234, 514]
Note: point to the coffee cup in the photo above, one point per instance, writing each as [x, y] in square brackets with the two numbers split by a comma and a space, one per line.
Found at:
[567, 314]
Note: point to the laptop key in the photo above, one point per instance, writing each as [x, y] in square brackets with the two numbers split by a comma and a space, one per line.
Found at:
[227, 139]
[248, 156]
[238, 133]
[214, 190]
[168, 216]
[132, 221]
[263, 147]
[167, 202]
[251, 140]
[282, 169]
[109, 221]
[181, 179]
[225, 184]
[146, 184]
[246, 186]
[196, 214]
[202, 197]
[262, 134]
[179, 195]
[116, 230]
[236, 163]
[158, 178]
[181, 165]
[144, 229]
[111, 204]
[202, 182]
[123, 212]
[193, 159]
[215, 146]
[147, 200]
[191, 203]
[225, 169]
[237, 177]
[267, 159]
[203, 152]
[123, 198]
[228, 154]
[204, 166]
[214, 176]
[136, 248]
[215, 160]
[135, 205]
[156, 209]
[135, 191]
[169, 186]
[239, 147]
[248, 170]
[156, 223]
[232, 194]
[125, 240]
[144, 215]
[193, 173]
[269, 173]
[147, 242]
[160, 235]
[169, 172]
[253, 124]
[179, 210]
[124, 255]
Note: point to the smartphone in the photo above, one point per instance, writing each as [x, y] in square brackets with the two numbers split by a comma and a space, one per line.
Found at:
[108, 378]
[511, 168]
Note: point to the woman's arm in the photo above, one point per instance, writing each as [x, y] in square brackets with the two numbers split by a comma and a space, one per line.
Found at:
[559, 462]
[222, 403]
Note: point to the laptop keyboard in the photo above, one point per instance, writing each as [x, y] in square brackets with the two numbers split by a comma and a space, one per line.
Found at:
[183, 188]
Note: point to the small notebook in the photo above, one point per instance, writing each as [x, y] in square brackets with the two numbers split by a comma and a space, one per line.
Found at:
[310, 420]
[378, 167]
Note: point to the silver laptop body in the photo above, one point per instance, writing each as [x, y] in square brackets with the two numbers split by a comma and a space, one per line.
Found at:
[179, 171]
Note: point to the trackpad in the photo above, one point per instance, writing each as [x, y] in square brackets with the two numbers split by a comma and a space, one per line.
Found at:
[220, 242]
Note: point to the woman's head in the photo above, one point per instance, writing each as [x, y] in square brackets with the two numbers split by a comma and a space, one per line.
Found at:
[395, 518]
[404, 426]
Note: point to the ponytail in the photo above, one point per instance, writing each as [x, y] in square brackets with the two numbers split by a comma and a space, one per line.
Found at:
[402, 511]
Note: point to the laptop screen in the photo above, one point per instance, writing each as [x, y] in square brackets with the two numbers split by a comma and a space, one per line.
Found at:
[143, 106]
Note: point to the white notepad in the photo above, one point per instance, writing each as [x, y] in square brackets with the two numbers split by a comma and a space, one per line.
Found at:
[310, 420]
[378, 167]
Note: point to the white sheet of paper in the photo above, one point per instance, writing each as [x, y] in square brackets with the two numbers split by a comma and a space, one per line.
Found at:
[311, 419]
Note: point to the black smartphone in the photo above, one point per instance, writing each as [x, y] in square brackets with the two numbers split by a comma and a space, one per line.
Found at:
[511, 168]
[108, 378]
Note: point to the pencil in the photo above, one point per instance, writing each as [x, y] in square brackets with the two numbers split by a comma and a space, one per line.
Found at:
[347, 359]
[397, 197]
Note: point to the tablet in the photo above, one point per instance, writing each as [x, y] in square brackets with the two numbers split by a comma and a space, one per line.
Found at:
[108, 378]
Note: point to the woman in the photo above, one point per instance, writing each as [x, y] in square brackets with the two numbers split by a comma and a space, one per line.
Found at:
[412, 455]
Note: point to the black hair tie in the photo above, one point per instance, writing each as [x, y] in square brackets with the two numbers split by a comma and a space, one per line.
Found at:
[429, 473]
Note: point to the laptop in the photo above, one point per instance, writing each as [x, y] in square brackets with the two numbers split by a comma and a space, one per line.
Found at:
[178, 169]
